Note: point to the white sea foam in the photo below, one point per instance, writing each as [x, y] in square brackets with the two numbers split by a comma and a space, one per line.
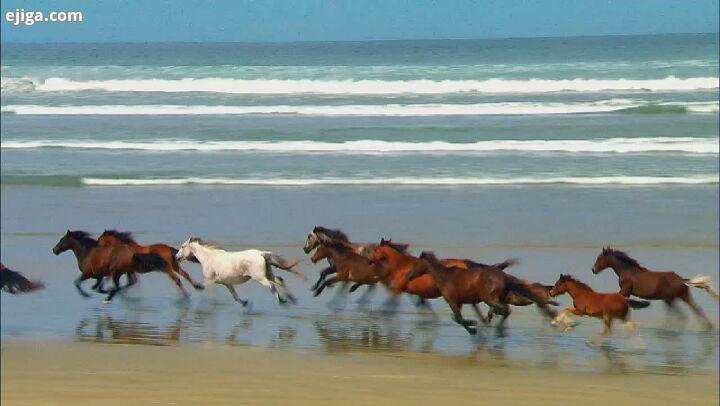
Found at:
[693, 145]
[377, 87]
[420, 181]
[409, 110]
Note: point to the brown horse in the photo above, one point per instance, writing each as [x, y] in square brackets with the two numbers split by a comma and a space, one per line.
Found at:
[166, 252]
[97, 262]
[587, 302]
[348, 266]
[636, 280]
[400, 264]
[14, 282]
[460, 286]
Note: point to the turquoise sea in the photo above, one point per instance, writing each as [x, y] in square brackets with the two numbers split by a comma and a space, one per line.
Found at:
[541, 149]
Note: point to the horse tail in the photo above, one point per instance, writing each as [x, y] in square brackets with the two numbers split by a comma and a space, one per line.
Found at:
[14, 282]
[516, 285]
[703, 282]
[149, 262]
[506, 264]
[638, 304]
[282, 263]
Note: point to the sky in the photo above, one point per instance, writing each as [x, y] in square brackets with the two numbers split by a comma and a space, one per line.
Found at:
[353, 20]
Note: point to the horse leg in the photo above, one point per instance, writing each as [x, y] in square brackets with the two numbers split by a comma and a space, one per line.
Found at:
[281, 282]
[366, 295]
[178, 269]
[235, 296]
[266, 282]
[78, 281]
[323, 274]
[698, 311]
[458, 318]
[115, 289]
[177, 282]
[480, 314]
[355, 287]
[503, 309]
[324, 284]
[131, 279]
[632, 327]
[607, 319]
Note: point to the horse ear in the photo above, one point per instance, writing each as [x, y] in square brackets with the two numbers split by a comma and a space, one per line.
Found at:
[68, 232]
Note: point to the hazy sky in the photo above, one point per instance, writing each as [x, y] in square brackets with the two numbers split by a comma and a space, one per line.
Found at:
[328, 20]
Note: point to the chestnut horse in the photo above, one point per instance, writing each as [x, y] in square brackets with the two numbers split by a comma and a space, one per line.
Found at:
[97, 262]
[399, 264]
[14, 282]
[474, 285]
[636, 280]
[348, 266]
[587, 302]
[113, 237]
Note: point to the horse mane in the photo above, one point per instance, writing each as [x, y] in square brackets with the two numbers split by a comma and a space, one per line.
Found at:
[623, 257]
[83, 237]
[205, 243]
[402, 248]
[124, 236]
[570, 278]
[332, 234]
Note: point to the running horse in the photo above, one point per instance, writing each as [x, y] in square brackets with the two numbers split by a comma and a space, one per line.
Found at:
[113, 237]
[587, 302]
[636, 280]
[97, 262]
[14, 282]
[400, 264]
[473, 285]
[348, 266]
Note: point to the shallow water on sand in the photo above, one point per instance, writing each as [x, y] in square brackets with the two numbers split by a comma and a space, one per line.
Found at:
[562, 230]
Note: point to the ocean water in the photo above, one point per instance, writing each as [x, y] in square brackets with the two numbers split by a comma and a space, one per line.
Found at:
[579, 111]
[541, 149]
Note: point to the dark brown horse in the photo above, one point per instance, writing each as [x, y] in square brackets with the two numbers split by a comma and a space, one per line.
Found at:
[14, 282]
[460, 286]
[587, 302]
[636, 280]
[348, 266]
[166, 252]
[97, 262]
[322, 235]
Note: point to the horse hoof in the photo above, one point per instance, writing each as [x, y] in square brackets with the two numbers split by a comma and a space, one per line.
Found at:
[472, 331]
[106, 301]
[199, 287]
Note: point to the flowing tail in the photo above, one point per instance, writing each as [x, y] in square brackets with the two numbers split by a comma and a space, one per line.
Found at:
[13, 282]
[516, 285]
[703, 282]
[148, 262]
[500, 265]
[638, 304]
[282, 263]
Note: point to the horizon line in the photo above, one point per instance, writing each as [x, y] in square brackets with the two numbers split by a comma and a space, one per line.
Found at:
[359, 40]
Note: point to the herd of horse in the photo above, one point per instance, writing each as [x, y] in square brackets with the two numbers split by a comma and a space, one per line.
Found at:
[458, 281]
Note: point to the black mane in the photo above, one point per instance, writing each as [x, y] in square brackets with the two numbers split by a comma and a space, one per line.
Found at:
[332, 234]
[624, 258]
[124, 236]
[83, 237]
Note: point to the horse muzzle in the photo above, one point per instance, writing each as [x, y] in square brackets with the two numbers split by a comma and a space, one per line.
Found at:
[307, 249]
[595, 271]
[56, 251]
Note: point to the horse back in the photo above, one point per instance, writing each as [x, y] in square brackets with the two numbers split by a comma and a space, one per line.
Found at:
[658, 285]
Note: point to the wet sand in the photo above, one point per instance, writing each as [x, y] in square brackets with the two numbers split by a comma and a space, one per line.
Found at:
[59, 373]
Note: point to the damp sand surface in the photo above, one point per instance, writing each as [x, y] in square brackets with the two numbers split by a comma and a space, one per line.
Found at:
[71, 373]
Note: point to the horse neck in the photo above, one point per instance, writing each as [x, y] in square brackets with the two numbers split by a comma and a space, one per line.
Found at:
[80, 251]
[200, 252]
[575, 289]
[621, 269]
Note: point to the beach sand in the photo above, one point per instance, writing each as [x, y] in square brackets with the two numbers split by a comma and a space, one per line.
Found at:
[71, 373]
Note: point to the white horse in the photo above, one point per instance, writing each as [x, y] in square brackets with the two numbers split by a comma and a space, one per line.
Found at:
[237, 267]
